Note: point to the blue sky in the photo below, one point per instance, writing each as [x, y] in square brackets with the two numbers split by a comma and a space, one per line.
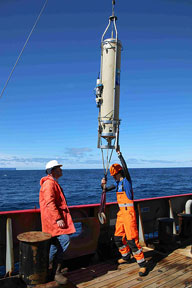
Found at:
[48, 109]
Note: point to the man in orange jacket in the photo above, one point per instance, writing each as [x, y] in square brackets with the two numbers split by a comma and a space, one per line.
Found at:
[55, 216]
[126, 233]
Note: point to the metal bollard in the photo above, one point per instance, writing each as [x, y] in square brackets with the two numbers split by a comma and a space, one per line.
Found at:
[34, 257]
[185, 225]
[165, 230]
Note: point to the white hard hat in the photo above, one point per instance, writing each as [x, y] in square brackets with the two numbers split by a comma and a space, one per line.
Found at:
[52, 164]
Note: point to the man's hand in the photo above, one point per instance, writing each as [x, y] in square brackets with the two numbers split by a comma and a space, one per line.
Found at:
[103, 182]
[61, 223]
[118, 151]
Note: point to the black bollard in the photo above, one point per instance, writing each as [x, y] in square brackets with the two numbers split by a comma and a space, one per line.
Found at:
[165, 230]
[34, 257]
[185, 225]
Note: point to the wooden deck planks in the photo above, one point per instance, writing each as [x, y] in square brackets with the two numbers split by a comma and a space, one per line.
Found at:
[109, 276]
[171, 271]
[91, 272]
[183, 281]
[139, 282]
[110, 273]
[164, 274]
[147, 281]
[118, 279]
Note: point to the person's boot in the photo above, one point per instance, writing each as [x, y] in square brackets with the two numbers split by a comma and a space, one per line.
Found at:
[143, 270]
[59, 277]
[125, 259]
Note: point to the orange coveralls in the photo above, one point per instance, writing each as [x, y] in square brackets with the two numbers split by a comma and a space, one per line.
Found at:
[126, 233]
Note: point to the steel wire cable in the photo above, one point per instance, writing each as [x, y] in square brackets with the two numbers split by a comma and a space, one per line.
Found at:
[23, 47]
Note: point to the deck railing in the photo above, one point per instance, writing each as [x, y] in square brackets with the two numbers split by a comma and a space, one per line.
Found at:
[148, 211]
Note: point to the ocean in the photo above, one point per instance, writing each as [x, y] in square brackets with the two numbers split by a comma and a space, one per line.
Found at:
[19, 189]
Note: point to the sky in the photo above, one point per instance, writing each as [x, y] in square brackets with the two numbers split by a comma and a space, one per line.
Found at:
[48, 109]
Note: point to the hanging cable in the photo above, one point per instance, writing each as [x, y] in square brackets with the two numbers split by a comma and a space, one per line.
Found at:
[108, 162]
[103, 161]
[113, 7]
[101, 214]
[106, 167]
[24, 47]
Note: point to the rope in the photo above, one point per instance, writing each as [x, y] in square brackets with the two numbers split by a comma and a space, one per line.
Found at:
[23, 47]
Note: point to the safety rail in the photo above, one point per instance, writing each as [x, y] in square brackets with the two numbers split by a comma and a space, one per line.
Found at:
[87, 241]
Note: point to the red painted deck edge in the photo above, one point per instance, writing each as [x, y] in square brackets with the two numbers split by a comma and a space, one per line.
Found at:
[91, 205]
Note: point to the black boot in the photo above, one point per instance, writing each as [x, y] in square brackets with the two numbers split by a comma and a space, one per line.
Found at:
[125, 259]
[143, 269]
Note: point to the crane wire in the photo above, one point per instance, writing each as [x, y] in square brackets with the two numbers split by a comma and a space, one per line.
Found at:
[108, 161]
[24, 47]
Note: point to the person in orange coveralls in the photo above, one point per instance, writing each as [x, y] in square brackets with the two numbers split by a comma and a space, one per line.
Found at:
[126, 233]
[55, 217]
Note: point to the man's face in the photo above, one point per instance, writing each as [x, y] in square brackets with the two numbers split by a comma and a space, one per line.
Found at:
[57, 172]
[117, 177]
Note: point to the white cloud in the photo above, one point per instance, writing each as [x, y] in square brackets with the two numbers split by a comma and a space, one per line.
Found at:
[77, 158]
[78, 152]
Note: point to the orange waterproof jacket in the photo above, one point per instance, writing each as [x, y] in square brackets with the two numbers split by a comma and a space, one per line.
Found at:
[53, 207]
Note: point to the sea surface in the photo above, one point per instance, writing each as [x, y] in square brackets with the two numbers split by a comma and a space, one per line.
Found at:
[19, 189]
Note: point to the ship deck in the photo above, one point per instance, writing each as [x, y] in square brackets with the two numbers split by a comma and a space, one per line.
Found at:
[165, 270]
